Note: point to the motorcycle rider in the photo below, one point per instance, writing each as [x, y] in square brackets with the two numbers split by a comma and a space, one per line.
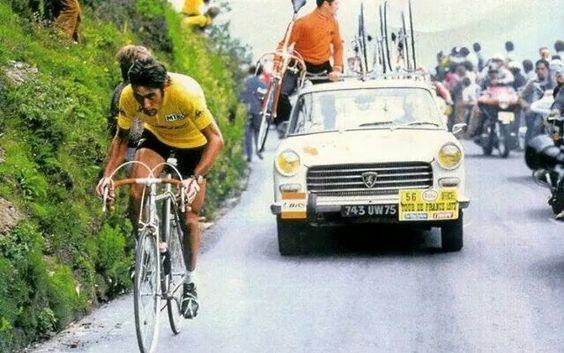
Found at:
[532, 92]
[496, 74]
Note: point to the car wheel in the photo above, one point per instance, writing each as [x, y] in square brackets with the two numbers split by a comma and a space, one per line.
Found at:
[451, 234]
[291, 236]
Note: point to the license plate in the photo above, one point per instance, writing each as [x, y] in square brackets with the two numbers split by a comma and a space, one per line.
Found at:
[369, 210]
[428, 205]
[506, 117]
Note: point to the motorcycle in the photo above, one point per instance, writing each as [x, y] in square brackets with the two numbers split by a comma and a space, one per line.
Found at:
[545, 154]
[500, 108]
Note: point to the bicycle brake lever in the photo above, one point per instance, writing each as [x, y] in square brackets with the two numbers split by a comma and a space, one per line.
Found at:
[183, 199]
[105, 199]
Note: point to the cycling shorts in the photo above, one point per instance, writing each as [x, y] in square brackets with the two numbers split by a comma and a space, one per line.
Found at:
[187, 158]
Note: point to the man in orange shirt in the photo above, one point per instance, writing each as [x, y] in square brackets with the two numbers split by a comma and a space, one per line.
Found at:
[317, 38]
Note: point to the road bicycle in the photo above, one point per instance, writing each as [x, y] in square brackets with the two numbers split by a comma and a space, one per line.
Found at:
[285, 59]
[159, 257]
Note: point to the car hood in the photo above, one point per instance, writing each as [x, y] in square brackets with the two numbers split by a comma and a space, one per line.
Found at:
[368, 146]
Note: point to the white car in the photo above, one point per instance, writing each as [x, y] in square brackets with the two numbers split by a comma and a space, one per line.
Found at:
[368, 151]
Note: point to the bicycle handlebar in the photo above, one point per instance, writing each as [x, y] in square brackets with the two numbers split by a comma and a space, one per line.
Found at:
[147, 181]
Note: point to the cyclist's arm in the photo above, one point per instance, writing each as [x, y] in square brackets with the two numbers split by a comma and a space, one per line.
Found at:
[212, 149]
[118, 148]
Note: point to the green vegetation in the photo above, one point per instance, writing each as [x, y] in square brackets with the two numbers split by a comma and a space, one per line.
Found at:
[65, 255]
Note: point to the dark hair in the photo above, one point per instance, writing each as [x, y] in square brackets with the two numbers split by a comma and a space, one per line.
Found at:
[127, 55]
[320, 2]
[468, 65]
[252, 70]
[556, 57]
[509, 46]
[464, 51]
[559, 45]
[544, 62]
[477, 47]
[466, 81]
[527, 65]
[149, 73]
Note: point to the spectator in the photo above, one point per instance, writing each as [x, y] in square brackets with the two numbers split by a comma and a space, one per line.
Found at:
[441, 66]
[509, 48]
[559, 48]
[528, 68]
[544, 53]
[519, 79]
[533, 91]
[68, 18]
[193, 15]
[477, 58]
[253, 98]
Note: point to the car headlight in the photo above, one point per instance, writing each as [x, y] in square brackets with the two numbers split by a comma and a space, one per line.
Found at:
[450, 156]
[287, 163]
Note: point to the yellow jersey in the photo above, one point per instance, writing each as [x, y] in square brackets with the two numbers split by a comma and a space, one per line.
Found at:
[192, 7]
[179, 121]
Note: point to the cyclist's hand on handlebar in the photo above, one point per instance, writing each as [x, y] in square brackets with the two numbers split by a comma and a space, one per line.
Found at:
[190, 188]
[106, 185]
[334, 76]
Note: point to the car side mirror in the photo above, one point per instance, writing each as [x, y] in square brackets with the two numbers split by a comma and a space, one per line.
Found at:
[457, 128]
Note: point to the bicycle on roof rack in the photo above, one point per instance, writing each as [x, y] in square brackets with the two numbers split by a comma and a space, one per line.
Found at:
[159, 255]
[285, 59]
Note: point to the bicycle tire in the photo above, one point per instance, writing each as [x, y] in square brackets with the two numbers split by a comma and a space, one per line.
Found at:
[175, 237]
[147, 277]
[266, 114]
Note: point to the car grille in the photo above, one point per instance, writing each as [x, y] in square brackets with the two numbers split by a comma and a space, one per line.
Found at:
[347, 179]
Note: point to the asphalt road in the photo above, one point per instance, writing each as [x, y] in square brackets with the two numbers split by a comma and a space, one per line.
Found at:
[373, 289]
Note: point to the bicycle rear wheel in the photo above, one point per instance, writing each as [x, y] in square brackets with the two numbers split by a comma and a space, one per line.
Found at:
[146, 292]
[177, 273]
[266, 115]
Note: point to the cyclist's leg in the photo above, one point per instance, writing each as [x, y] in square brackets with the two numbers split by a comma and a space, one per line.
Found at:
[192, 219]
[188, 159]
[151, 152]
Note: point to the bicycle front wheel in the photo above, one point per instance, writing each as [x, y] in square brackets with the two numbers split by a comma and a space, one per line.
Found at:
[266, 115]
[177, 271]
[147, 292]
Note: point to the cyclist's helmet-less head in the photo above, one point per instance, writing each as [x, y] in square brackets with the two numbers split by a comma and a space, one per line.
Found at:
[148, 79]
[148, 73]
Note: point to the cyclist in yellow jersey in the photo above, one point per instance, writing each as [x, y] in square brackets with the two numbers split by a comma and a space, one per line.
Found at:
[176, 120]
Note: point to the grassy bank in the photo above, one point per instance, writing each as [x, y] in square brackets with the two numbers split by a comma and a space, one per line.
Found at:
[64, 255]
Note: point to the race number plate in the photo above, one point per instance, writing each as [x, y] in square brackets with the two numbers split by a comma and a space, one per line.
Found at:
[369, 210]
[428, 205]
[294, 205]
[506, 117]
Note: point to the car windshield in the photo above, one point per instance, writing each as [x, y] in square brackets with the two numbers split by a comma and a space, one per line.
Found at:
[357, 109]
